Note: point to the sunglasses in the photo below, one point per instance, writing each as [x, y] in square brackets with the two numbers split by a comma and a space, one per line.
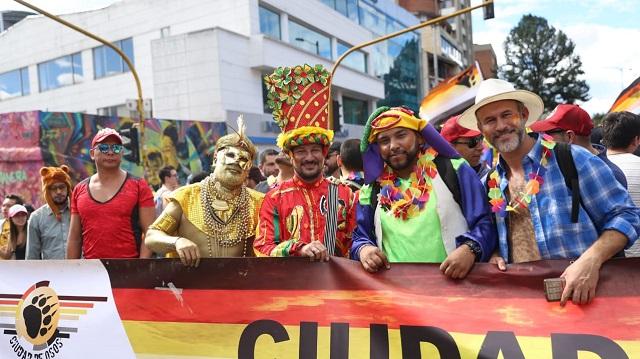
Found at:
[473, 141]
[104, 148]
[554, 131]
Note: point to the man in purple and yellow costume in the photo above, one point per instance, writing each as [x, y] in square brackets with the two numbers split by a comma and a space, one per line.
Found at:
[307, 215]
[421, 202]
[216, 217]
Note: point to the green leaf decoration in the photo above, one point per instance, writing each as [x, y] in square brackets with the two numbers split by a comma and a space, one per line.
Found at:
[495, 193]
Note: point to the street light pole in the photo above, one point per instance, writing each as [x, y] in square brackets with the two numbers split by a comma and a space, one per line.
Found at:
[119, 52]
[487, 4]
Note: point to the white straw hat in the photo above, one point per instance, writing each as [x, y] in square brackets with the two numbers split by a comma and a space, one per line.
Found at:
[493, 90]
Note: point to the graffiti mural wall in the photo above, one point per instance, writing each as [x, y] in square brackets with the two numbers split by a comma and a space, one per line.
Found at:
[30, 140]
[20, 156]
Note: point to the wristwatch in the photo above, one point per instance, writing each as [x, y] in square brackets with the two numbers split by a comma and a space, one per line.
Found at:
[475, 248]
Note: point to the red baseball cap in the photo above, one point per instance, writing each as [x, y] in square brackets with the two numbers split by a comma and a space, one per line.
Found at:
[451, 130]
[105, 133]
[566, 117]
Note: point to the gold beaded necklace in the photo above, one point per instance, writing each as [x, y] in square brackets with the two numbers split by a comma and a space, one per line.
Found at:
[219, 231]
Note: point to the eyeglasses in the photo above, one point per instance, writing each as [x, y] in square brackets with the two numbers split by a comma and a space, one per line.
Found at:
[104, 148]
[473, 141]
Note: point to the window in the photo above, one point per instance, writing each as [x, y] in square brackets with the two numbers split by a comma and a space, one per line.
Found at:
[356, 60]
[14, 83]
[451, 51]
[165, 31]
[355, 111]
[118, 110]
[107, 62]
[372, 19]
[396, 60]
[270, 23]
[265, 107]
[63, 71]
[348, 8]
[309, 40]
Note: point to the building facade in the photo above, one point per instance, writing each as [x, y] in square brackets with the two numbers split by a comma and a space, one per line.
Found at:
[486, 58]
[446, 48]
[205, 59]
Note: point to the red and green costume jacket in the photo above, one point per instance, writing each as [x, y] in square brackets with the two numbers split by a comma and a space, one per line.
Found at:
[294, 214]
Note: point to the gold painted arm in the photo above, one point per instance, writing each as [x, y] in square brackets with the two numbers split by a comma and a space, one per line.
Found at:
[161, 235]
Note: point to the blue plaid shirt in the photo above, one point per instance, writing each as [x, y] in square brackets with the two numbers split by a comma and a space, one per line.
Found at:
[605, 205]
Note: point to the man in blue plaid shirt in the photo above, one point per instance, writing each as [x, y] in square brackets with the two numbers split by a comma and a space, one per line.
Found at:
[541, 226]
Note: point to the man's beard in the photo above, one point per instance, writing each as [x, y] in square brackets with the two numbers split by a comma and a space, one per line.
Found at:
[511, 145]
[309, 177]
[410, 159]
[59, 201]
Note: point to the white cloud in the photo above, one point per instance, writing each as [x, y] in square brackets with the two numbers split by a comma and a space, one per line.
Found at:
[609, 57]
[609, 60]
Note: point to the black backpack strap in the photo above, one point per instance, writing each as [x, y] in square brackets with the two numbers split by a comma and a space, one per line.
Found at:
[570, 174]
[487, 178]
[375, 190]
[449, 176]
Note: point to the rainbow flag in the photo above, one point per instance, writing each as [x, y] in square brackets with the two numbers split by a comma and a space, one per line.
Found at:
[451, 96]
[629, 99]
[293, 308]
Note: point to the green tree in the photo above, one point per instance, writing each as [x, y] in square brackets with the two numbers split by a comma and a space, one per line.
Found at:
[597, 118]
[540, 58]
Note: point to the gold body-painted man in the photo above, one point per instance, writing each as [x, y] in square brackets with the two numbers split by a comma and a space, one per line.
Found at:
[216, 217]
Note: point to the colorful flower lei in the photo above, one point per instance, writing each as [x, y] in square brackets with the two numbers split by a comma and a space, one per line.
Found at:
[522, 199]
[407, 204]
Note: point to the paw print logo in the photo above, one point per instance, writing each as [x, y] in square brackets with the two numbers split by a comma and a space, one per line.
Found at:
[37, 315]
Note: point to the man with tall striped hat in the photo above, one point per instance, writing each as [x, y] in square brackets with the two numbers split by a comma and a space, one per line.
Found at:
[307, 215]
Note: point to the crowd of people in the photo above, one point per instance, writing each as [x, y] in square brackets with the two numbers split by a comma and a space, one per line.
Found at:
[498, 183]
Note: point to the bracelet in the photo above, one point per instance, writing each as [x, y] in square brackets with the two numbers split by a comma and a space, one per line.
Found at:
[475, 248]
[176, 242]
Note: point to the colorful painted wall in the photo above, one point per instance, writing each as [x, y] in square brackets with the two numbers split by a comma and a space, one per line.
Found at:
[30, 140]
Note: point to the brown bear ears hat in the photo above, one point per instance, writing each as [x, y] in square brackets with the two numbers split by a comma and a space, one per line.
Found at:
[51, 175]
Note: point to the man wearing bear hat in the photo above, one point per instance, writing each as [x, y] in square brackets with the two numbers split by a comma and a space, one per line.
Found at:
[421, 202]
[49, 224]
[307, 215]
[535, 215]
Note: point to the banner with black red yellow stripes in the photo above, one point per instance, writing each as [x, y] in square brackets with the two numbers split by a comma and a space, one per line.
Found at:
[293, 308]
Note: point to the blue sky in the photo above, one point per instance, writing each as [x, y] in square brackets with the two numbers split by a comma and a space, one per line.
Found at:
[606, 34]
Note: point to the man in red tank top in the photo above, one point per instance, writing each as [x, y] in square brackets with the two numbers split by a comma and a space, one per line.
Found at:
[111, 209]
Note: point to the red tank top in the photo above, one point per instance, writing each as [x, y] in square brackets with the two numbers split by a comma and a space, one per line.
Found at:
[111, 229]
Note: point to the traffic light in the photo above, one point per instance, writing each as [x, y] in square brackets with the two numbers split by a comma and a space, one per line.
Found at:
[487, 11]
[131, 144]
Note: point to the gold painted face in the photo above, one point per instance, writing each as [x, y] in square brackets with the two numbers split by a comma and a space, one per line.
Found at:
[234, 155]
[232, 166]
